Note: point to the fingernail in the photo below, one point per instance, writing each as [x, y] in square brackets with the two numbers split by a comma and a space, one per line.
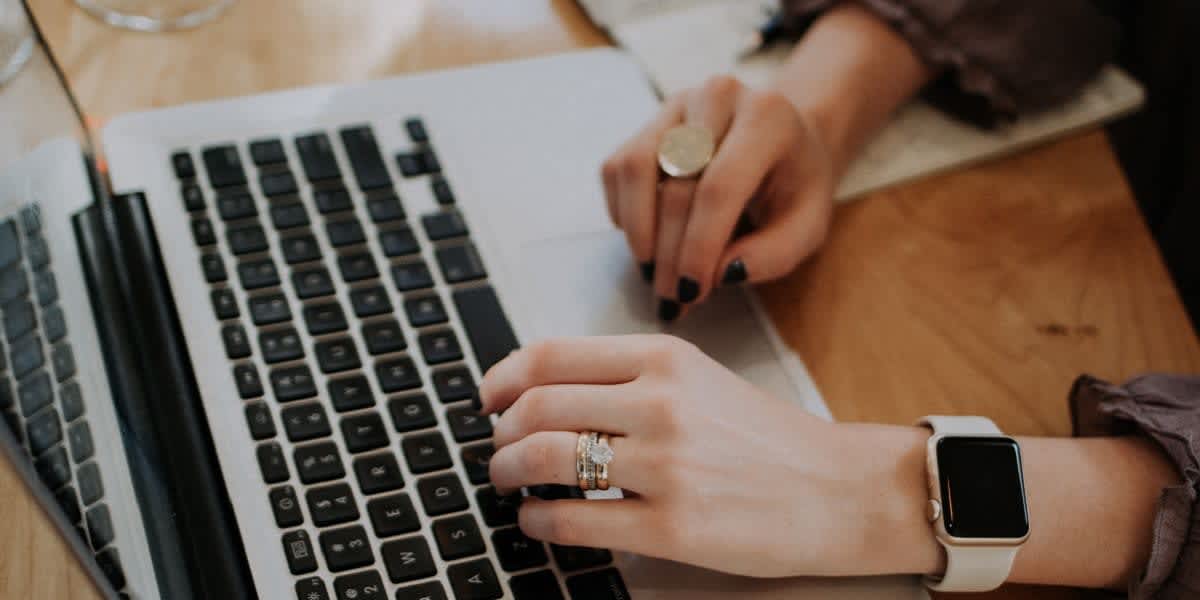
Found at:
[647, 270]
[668, 310]
[735, 272]
[688, 289]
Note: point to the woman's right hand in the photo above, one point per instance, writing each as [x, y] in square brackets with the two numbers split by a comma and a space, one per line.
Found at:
[770, 164]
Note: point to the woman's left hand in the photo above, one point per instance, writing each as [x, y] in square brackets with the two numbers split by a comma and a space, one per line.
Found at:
[716, 472]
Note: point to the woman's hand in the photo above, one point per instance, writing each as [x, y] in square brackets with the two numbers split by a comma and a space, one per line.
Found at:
[716, 472]
[770, 164]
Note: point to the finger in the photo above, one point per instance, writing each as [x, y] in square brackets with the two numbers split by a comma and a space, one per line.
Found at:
[673, 206]
[774, 249]
[754, 144]
[570, 407]
[610, 180]
[637, 181]
[625, 525]
[596, 360]
[548, 457]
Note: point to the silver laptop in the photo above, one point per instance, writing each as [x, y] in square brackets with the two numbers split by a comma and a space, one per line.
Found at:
[240, 362]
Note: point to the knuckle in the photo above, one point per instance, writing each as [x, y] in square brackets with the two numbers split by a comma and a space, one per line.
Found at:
[764, 103]
[629, 166]
[611, 169]
[676, 197]
[530, 409]
[721, 86]
[535, 457]
[713, 190]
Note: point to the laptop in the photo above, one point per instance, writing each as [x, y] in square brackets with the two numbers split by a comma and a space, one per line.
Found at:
[238, 361]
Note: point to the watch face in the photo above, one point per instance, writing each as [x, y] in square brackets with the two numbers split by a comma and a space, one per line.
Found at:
[983, 494]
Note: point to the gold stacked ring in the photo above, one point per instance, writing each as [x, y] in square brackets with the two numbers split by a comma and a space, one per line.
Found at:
[601, 454]
[592, 457]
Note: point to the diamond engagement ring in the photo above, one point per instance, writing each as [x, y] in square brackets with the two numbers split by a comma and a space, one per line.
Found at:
[685, 150]
[592, 457]
[601, 454]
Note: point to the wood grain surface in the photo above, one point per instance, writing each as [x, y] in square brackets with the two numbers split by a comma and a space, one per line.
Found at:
[984, 291]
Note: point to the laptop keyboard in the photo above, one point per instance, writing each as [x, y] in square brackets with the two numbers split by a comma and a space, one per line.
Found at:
[40, 396]
[340, 316]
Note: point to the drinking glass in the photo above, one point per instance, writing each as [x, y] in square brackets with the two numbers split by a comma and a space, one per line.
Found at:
[155, 15]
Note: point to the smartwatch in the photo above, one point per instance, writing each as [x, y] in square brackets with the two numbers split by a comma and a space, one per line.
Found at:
[977, 502]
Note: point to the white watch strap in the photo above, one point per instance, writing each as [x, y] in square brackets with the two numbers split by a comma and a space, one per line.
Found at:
[970, 568]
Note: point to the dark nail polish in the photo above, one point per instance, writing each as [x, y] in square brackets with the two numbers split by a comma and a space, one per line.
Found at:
[688, 290]
[735, 272]
[647, 271]
[668, 310]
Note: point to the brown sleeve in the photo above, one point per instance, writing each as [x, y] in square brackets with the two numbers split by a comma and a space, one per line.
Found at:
[1165, 409]
[1000, 57]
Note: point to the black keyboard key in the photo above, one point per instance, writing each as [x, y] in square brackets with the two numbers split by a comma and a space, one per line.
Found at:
[429, 161]
[410, 164]
[443, 225]
[316, 154]
[277, 183]
[393, 515]
[271, 463]
[289, 215]
[312, 283]
[224, 304]
[345, 232]
[280, 345]
[260, 421]
[385, 208]
[214, 268]
[110, 565]
[487, 327]
[63, 360]
[426, 452]
[378, 473]
[408, 559]
[269, 309]
[476, 460]
[398, 375]
[312, 588]
[19, 318]
[26, 355]
[182, 163]
[71, 401]
[458, 537]
[539, 585]
[331, 505]
[267, 152]
[13, 284]
[285, 506]
[364, 432]
[300, 248]
[202, 231]
[38, 253]
[441, 191]
[99, 526]
[460, 263]
[31, 219]
[319, 462]
[298, 548]
[412, 276]
[45, 287]
[54, 325]
[224, 166]
[466, 424]
[370, 301]
[10, 245]
[305, 421]
[425, 310]
[236, 205]
[575, 558]
[474, 580]
[439, 346]
[43, 431]
[258, 274]
[79, 435]
[497, 510]
[70, 503]
[346, 548]
[35, 392]
[453, 384]
[365, 158]
[332, 199]
[337, 355]
[54, 468]
[416, 130]
[555, 491]
[350, 393]
[399, 242]
[293, 383]
[518, 551]
[248, 383]
[91, 488]
[6, 391]
[193, 197]
[324, 318]
[384, 336]
[357, 267]
[410, 413]
[442, 494]
[359, 586]
[605, 584]
[247, 240]
[430, 590]
[237, 345]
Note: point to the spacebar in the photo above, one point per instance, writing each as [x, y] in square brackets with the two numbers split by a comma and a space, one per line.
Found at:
[491, 336]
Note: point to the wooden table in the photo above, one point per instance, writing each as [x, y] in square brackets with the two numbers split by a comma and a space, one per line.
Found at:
[983, 291]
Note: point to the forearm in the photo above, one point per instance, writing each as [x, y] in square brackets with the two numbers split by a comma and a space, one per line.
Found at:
[848, 74]
[1091, 507]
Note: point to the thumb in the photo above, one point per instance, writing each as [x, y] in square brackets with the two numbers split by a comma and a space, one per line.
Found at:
[775, 248]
